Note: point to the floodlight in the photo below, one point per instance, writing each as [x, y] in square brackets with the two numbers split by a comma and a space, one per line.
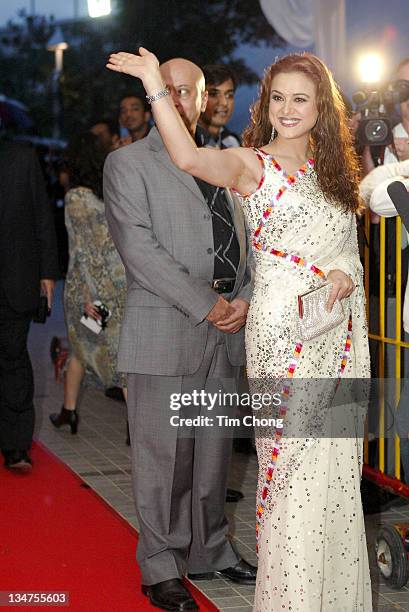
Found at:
[99, 8]
[371, 68]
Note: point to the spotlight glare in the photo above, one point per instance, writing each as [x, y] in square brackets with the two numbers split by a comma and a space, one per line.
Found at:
[99, 8]
[370, 68]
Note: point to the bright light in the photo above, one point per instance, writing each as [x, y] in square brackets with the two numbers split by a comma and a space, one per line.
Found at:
[371, 68]
[99, 8]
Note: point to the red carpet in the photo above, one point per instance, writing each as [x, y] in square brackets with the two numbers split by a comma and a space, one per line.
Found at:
[58, 535]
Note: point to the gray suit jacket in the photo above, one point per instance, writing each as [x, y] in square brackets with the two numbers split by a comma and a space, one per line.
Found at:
[162, 228]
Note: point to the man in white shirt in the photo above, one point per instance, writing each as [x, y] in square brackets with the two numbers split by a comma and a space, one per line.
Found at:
[373, 189]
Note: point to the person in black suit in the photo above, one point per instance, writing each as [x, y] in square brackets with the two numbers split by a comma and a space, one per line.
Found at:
[28, 266]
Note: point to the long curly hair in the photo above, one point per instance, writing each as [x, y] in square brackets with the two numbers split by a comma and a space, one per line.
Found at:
[335, 161]
[84, 158]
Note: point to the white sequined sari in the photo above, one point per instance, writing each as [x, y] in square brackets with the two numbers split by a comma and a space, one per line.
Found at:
[311, 535]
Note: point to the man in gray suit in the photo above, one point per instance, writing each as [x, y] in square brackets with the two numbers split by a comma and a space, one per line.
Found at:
[183, 244]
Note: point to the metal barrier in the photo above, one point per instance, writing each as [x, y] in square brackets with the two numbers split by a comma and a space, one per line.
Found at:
[378, 333]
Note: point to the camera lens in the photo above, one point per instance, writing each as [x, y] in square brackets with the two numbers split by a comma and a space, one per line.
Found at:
[376, 130]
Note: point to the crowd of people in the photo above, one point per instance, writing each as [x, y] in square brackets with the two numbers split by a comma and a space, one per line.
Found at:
[189, 252]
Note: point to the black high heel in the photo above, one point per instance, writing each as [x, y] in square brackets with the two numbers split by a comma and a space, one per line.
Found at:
[65, 417]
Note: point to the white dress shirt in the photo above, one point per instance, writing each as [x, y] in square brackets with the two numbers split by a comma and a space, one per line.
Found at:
[373, 189]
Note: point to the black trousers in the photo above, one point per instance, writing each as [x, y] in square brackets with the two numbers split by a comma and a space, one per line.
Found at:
[16, 379]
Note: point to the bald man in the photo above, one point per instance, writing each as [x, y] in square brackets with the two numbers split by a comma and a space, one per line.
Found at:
[183, 244]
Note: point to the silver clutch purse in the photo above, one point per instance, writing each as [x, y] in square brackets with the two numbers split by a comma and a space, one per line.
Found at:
[314, 318]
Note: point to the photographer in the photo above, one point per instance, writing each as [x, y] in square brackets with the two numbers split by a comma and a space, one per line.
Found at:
[401, 130]
[374, 190]
[375, 114]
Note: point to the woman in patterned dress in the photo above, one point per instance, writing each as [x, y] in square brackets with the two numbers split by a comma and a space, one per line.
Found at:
[298, 178]
[95, 272]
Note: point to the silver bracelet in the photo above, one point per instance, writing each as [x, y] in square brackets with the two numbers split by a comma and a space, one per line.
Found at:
[158, 95]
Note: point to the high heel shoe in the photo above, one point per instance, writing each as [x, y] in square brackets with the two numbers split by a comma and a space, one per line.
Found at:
[65, 417]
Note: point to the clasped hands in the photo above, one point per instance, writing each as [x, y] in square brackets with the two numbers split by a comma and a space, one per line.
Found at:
[228, 317]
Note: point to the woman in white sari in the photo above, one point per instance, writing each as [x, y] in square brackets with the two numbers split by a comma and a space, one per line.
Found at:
[297, 178]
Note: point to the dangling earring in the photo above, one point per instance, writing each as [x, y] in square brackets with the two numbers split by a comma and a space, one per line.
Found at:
[273, 134]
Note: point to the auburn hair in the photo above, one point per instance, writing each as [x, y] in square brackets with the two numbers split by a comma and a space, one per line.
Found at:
[335, 160]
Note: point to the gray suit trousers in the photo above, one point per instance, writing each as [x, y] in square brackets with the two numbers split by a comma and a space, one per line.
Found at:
[180, 473]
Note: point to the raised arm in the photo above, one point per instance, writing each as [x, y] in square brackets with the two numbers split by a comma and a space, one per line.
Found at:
[235, 168]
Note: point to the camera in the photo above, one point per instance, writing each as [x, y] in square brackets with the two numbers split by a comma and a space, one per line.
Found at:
[376, 106]
[92, 324]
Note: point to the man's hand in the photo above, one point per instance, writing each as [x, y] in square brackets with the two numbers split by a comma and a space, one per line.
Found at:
[47, 288]
[220, 311]
[343, 286]
[235, 321]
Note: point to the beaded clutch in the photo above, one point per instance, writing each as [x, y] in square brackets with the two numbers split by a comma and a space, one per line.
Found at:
[314, 317]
